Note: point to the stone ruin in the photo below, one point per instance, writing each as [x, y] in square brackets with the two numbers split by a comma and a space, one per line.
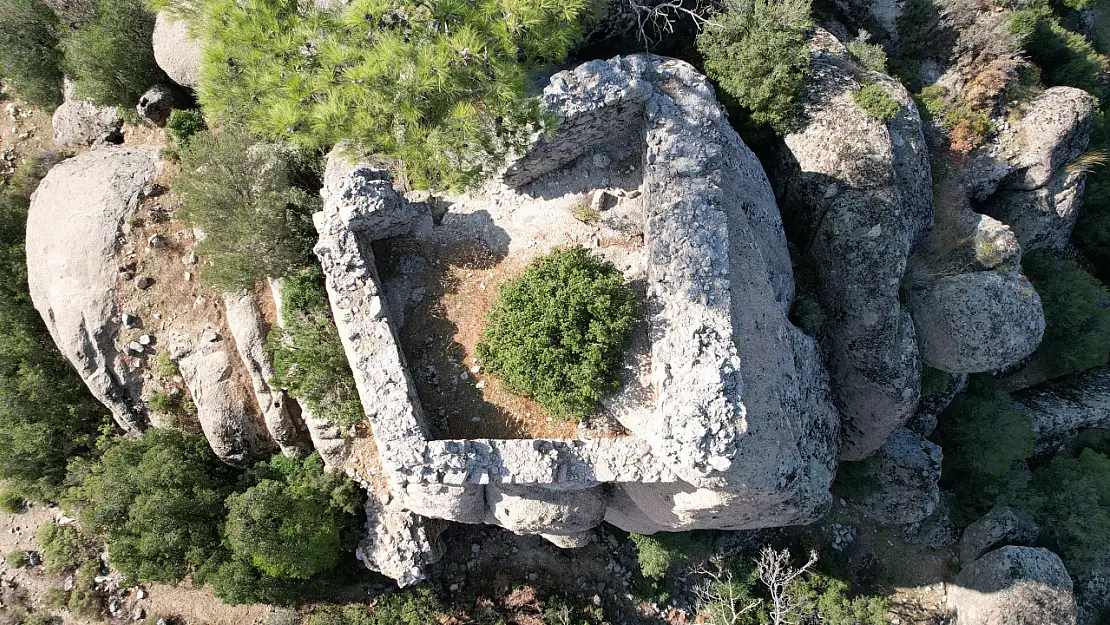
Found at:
[728, 406]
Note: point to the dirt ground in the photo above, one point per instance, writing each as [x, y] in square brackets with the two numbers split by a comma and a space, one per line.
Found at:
[445, 278]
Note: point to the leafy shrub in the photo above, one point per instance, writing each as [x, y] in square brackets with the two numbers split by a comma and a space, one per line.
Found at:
[830, 601]
[87, 597]
[558, 330]
[16, 559]
[158, 501]
[441, 86]
[165, 365]
[239, 193]
[876, 101]
[111, 58]
[760, 58]
[64, 548]
[309, 359]
[986, 440]
[47, 415]
[1065, 58]
[1073, 509]
[294, 522]
[408, 607]
[29, 57]
[183, 124]
[965, 125]
[869, 55]
[660, 552]
[808, 316]
[11, 501]
[1076, 311]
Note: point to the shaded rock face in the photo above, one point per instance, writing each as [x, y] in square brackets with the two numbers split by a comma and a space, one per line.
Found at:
[980, 321]
[532, 509]
[1013, 586]
[244, 319]
[73, 234]
[1092, 596]
[1062, 407]
[934, 401]
[857, 196]
[156, 105]
[78, 123]
[225, 408]
[1001, 526]
[1027, 182]
[903, 477]
[177, 53]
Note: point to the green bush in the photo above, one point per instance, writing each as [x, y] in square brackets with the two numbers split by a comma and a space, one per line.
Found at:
[11, 501]
[183, 124]
[760, 58]
[824, 599]
[47, 415]
[240, 194]
[440, 85]
[557, 331]
[986, 441]
[29, 57]
[309, 359]
[16, 559]
[158, 501]
[1065, 58]
[64, 548]
[1092, 231]
[1072, 507]
[876, 101]
[111, 58]
[808, 316]
[165, 365]
[869, 55]
[1076, 311]
[296, 520]
[418, 606]
[658, 553]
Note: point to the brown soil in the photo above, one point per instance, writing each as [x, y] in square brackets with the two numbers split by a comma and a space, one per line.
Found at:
[439, 340]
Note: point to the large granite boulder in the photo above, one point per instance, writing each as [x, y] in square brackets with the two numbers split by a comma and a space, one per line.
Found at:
[900, 481]
[73, 235]
[1001, 526]
[1062, 407]
[1013, 586]
[225, 408]
[176, 51]
[79, 123]
[857, 197]
[533, 509]
[938, 389]
[975, 322]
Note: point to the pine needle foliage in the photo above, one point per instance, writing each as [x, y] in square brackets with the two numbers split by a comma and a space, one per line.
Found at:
[439, 85]
[757, 52]
[557, 332]
[29, 57]
[239, 193]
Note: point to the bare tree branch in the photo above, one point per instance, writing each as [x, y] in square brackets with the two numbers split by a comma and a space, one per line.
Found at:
[776, 573]
[720, 598]
[656, 21]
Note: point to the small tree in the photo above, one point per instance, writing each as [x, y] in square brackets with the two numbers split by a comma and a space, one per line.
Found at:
[758, 54]
[111, 58]
[558, 331]
[239, 193]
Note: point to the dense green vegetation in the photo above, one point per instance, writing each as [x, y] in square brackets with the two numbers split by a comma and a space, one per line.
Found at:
[1065, 57]
[877, 102]
[438, 85]
[1076, 310]
[759, 57]
[557, 331]
[309, 359]
[47, 416]
[64, 548]
[1092, 231]
[11, 501]
[660, 552]
[240, 193]
[110, 57]
[158, 501]
[29, 56]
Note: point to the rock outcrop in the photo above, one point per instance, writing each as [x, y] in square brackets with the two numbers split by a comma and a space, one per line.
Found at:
[156, 105]
[176, 51]
[225, 408]
[1062, 407]
[1000, 527]
[978, 321]
[1013, 586]
[244, 319]
[1028, 182]
[73, 234]
[901, 480]
[935, 398]
[398, 543]
[78, 123]
[857, 197]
